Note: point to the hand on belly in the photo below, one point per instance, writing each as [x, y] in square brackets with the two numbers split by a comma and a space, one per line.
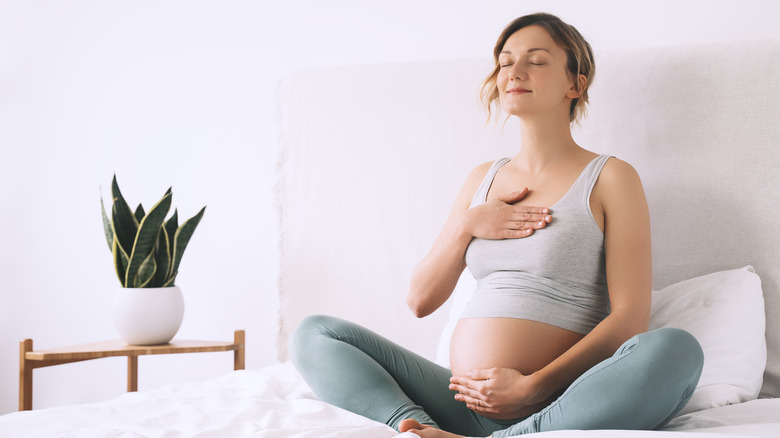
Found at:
[499, 393]
[500, 354]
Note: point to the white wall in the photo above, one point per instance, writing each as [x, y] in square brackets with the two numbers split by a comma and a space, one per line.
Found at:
[181, 93]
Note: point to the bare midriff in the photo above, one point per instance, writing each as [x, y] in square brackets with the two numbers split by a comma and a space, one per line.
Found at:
[524, 345]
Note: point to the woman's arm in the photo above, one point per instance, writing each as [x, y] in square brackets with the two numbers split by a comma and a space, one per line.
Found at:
[629, 278]
[435, 277]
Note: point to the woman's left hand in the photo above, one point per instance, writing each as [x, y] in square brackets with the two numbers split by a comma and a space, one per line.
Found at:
[500, 393]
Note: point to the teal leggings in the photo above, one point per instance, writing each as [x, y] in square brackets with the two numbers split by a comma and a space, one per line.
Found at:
[642, 386]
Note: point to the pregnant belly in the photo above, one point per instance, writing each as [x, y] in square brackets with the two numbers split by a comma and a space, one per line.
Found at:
[520, 344]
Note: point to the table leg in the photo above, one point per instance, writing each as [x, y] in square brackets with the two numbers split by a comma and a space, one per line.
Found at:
[238, 354]
[25, 376]
[132, 373]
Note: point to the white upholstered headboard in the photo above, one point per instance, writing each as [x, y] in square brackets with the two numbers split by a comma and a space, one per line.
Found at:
[372, 156]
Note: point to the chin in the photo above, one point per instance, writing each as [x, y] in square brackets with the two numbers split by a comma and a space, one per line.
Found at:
[514, 111]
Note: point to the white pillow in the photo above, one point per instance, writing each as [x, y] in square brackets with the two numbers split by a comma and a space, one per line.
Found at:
[723, 310]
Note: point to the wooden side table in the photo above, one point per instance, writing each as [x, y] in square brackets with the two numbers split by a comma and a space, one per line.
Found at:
[30, 359]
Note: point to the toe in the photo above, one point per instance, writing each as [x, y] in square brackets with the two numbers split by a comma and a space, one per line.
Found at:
[409, 424]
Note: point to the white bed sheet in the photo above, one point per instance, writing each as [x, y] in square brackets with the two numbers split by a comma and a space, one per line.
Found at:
[274, 402]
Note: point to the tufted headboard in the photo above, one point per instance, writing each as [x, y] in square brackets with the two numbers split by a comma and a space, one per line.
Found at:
[372, 157]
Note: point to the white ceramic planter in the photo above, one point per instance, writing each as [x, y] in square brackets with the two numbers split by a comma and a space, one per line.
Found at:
[148, 316]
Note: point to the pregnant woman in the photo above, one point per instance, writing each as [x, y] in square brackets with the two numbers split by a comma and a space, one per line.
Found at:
[558, 237]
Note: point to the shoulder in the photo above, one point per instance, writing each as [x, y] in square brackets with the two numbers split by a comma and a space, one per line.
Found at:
[471, 185]
[619, 186]
[618, 171]
[478, 173]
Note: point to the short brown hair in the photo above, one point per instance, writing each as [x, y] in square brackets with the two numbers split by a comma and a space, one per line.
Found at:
[578, 53]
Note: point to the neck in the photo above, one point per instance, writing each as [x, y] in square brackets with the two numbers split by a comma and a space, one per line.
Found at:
[545, 142]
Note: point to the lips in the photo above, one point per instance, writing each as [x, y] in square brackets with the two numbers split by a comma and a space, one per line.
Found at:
[518, 90]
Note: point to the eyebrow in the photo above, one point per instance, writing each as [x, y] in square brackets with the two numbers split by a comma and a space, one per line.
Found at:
[535, 49]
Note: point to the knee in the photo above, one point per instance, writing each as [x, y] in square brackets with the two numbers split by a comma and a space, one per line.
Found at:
[678, 350]
[312, 336]
[303, 341]
[679, 343]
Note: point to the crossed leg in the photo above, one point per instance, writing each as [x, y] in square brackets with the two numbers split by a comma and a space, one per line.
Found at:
[351, 367]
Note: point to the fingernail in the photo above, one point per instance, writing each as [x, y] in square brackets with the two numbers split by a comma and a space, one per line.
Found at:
[544, 210]
[540, 223]
[548, 217]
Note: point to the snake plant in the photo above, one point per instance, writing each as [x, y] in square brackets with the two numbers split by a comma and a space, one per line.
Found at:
[146, 248]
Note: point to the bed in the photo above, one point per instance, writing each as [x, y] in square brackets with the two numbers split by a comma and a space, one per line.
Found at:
[273, 402]
[370, 160]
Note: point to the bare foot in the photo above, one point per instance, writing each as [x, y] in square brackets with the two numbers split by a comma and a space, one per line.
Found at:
[410, 425]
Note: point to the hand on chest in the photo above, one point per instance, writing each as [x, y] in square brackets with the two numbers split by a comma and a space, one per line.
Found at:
[568, 186]
[544, 189]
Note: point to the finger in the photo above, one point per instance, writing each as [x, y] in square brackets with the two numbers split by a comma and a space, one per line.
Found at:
[462, 389]
[522, 225]
[482, 409]
[481, 406]
[461, 381]
[513, 197]
[515, 234]
[539, 224]
[471, 401]
[475, 407]
[466, 381]
[525, 216]
[465, 393]
[530, 216]
[531, 209]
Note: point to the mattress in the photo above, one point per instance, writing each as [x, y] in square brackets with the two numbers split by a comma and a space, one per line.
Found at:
[274, 402]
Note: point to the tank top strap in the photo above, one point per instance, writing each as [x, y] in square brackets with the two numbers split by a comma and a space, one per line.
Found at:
[481, 195]
[583, 186]
[592, 172]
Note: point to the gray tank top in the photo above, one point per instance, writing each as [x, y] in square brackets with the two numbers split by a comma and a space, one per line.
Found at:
[556, 276]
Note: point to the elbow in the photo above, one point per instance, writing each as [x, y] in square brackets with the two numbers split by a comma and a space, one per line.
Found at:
[417, 306]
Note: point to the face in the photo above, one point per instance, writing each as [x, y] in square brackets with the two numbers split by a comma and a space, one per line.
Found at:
[533, 78]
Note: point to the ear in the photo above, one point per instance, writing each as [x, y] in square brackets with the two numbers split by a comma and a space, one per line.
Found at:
[577, 87]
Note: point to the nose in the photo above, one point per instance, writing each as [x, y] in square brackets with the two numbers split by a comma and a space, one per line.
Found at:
[517, 72]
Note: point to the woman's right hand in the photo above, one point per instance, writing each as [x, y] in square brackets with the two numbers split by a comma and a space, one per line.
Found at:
[499, 218]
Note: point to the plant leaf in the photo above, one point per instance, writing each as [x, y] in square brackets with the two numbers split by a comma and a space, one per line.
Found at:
[163, 258]
[139, 213]
[120, 262]
[123, 221]
[107, 228]
[170, 280]
[146, 238]
[182, 238]
[170, 227]
[146, 272]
